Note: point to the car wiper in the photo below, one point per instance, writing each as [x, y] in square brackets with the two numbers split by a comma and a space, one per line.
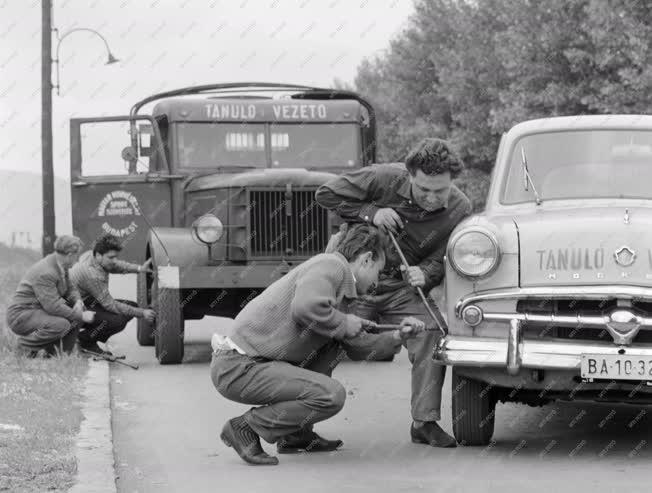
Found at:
[528, 178]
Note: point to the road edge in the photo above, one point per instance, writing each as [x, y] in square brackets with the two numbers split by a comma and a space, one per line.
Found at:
[94, 442]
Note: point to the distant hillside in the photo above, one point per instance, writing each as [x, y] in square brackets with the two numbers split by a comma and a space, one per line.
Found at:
[20, 208]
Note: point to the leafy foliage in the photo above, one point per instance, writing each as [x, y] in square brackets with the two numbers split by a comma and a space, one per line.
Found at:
[467, 71]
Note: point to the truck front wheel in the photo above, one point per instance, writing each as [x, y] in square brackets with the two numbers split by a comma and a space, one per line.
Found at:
[168, 335]
[144, 330]
[474, 409]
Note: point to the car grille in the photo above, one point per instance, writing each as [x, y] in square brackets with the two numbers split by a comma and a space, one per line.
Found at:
[286, 224]
[572, 307]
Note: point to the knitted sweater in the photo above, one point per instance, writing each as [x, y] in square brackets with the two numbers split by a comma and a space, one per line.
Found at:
[299, 313]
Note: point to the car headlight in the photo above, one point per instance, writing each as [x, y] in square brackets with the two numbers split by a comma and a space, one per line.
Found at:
[474, 253]
[208, 229]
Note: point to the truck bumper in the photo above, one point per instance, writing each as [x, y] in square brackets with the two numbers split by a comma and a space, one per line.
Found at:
[552, 355]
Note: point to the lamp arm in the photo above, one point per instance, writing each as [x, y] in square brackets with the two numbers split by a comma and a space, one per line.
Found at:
[64, 36]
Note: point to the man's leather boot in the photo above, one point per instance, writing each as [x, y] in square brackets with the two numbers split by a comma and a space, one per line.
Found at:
[238, 434]
[306, 441]
[432, 434]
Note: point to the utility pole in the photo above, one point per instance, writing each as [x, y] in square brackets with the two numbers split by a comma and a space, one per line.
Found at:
[46, 128]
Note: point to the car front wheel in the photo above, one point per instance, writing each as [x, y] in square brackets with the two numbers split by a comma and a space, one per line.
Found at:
[474, 408]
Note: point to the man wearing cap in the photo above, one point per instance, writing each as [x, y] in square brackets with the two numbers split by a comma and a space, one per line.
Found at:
[46, 310]
[91, 277]
[418, 203]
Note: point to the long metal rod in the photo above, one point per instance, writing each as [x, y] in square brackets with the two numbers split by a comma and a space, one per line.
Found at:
[419, 290]
[372, 326]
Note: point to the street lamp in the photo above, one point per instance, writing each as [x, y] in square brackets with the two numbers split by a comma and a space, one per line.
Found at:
[47, 168]
[109, 60]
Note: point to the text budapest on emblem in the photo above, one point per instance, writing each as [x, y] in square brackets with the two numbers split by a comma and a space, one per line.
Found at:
[119, 207]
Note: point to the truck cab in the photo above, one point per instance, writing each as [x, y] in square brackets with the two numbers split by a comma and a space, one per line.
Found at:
[216, 185]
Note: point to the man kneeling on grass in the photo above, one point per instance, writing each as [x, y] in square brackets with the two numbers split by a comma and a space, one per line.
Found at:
[47, 311]
[286, 342]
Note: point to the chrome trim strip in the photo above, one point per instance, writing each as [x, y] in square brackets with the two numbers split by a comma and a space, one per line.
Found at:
[552, 292]
[563, 320]
[547, 355]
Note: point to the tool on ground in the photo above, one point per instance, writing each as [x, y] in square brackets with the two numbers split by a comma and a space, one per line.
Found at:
[404, 262]
[109, 358]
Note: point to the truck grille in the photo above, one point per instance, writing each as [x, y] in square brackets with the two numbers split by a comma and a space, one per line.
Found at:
[286, 225]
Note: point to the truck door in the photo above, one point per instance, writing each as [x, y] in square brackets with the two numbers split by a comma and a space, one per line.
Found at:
[117, 187]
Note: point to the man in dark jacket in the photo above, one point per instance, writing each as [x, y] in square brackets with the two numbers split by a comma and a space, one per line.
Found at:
[91, 277]
[286, 342]
[46, 311]
[418, 203]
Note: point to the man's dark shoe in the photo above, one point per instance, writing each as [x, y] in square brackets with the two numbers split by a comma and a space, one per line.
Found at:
[239, 435]
[94, 348]
[306, 441]
[432, 434]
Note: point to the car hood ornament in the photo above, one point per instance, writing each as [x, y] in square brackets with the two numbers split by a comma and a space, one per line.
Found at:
[624, 256]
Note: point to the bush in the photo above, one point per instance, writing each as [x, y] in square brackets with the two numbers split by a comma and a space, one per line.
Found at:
[475, 185]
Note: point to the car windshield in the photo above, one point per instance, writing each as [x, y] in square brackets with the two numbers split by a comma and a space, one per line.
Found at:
[205, 145]
[581, 164]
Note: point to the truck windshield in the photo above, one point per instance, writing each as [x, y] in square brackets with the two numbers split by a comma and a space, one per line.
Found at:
[207, 145]
[581, 164]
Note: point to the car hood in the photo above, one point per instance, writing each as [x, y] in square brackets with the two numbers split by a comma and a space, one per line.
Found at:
[272, 178]
[588, 246]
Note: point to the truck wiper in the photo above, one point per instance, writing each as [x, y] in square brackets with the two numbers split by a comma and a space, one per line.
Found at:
[528, 178]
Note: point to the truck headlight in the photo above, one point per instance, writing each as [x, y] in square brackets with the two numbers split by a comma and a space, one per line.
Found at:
[474, 253]
[207, 229]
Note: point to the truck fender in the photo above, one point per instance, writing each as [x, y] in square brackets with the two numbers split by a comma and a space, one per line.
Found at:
[181, 249]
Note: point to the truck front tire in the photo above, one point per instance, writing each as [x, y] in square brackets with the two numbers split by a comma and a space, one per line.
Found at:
[144, 329]
[168, 335]
[474, 409]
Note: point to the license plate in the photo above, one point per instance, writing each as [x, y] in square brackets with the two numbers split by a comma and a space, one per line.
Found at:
[616, 367]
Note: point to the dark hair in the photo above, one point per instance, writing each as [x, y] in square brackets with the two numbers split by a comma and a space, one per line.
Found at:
[433, 157]
[360, 238]
[106, 243]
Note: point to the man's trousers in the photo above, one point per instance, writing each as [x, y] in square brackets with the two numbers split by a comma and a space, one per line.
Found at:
[105, 324]
[427, 376]
[36, 329]
[291, 397]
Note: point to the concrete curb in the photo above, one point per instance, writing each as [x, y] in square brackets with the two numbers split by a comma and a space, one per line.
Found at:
[94, 442]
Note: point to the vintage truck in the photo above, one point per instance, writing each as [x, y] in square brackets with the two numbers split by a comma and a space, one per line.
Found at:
[549, 289]
[216, 186]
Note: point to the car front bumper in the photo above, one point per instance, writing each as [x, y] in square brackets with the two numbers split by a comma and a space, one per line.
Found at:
[549, 354]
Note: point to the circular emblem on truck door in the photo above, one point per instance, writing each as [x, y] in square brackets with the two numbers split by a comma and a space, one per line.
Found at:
[119, 208]
[625, 256]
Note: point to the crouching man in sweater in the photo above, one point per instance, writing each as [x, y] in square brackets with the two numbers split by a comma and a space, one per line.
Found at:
[286, 342]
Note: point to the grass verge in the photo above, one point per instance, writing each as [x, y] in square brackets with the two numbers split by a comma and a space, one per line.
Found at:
[40, 403]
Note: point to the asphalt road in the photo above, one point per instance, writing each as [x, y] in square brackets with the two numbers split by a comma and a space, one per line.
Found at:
[166, 421]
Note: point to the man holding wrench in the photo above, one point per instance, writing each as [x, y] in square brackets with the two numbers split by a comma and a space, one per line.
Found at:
[418, 203]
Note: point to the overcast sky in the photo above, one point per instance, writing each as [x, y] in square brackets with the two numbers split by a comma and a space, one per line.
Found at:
[166, 44]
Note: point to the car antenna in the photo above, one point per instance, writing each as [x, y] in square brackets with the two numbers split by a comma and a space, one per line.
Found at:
[528, 178]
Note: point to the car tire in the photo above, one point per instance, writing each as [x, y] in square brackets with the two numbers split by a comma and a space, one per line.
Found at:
[474, 406]
[168, 335]
[144, 329]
